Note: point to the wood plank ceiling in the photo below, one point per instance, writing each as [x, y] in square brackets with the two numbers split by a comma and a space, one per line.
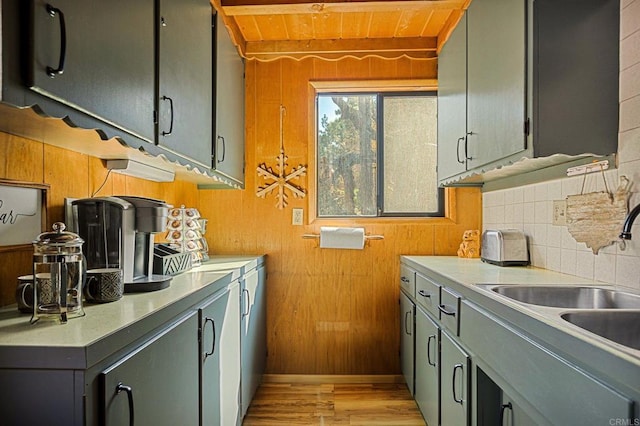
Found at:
[270, 29]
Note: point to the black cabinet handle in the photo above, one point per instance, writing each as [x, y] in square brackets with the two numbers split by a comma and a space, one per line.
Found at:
[443, 309]
[466, 146]
[453, 383]
[424, 294]
[404, 279]
[407, 316]
[213, 333]
[53, 12]
[504, 407]
[433, 336]
[458, 150]
[129, 392]
[166, 98]
[224, 148]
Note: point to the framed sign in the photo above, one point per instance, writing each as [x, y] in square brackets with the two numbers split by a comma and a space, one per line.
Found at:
[23, 213]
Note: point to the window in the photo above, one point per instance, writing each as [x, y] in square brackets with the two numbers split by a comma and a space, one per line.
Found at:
[377, 155]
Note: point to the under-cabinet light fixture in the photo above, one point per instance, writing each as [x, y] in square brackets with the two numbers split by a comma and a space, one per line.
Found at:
[140, 170]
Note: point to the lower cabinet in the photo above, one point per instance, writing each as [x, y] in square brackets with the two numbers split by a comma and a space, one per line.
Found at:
[407, 340]
[454, 384]
[489, 369]
[219, 338]
[176, 357]
[253, 334]
[553, 389]
[427, 367]
[495, 406]
[155, 384]
[511, 414]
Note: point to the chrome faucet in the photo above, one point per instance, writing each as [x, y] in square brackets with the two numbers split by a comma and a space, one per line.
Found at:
[626, 228]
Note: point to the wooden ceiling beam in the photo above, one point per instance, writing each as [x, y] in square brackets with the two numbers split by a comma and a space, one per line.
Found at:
[393, 48]
[238, 8]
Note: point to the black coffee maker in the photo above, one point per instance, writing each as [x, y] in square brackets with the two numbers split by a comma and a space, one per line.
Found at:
[119, 233]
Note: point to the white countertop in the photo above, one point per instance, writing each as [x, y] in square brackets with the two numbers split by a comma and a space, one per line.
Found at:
[473, 275]
[102, 321]
[473, 271]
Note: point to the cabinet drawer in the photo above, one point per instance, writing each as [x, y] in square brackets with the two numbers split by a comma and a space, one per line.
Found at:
[428, 294]
[563, 393]
[450, 310]
[408, 280]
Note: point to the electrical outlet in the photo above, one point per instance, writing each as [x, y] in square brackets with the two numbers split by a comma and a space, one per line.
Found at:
[298, 215]
[559, 212]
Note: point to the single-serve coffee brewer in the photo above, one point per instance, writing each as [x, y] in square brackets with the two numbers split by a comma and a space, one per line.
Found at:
[119, 233]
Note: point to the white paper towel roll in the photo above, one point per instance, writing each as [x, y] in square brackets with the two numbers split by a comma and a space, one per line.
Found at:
[341, 238]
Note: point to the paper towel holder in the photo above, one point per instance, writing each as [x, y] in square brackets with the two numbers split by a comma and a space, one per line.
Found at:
[366, 237]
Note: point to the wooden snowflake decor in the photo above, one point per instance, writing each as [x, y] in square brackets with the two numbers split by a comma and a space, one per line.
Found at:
[281, 181]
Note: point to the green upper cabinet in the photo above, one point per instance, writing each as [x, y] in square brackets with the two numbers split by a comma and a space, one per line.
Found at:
[575, 89]
[452, 103]
[229, 110]
[185, 92]
[96, 57]
[519, 79]
[496, 80]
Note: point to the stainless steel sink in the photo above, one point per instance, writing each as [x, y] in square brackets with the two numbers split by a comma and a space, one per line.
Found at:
[570, 297]
[622, 327]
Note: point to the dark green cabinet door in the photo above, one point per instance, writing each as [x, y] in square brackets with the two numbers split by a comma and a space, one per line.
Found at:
[253, 334]
[156, 383]
[220, 358]
[427, 367]
[229, 143]
[511, 414]
[184, 79]
[452, 103]
[496, 80]
[97, 57]
[454, 386]
[407, 340]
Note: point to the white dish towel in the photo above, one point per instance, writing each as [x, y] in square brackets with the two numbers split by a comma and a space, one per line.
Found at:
[341, 238]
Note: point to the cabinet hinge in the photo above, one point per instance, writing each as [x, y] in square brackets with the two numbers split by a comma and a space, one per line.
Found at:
[526, 126]
[155, 117]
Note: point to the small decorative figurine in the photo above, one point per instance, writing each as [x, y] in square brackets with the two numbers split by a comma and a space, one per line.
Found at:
[470, 245]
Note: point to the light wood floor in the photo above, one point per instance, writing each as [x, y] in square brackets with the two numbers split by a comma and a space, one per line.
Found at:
[333, 404]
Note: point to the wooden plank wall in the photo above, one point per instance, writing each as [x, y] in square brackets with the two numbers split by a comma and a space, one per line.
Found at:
[68, 174]
[329, 311]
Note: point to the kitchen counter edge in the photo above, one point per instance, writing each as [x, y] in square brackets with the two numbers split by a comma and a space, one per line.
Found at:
[106, 328]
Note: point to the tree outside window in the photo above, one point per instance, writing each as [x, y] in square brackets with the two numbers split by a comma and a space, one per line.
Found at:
[377, 155]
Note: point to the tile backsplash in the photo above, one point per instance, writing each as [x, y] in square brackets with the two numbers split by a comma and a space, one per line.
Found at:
[529, 207]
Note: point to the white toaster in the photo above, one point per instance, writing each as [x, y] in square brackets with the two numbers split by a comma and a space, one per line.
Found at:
[506, 247]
